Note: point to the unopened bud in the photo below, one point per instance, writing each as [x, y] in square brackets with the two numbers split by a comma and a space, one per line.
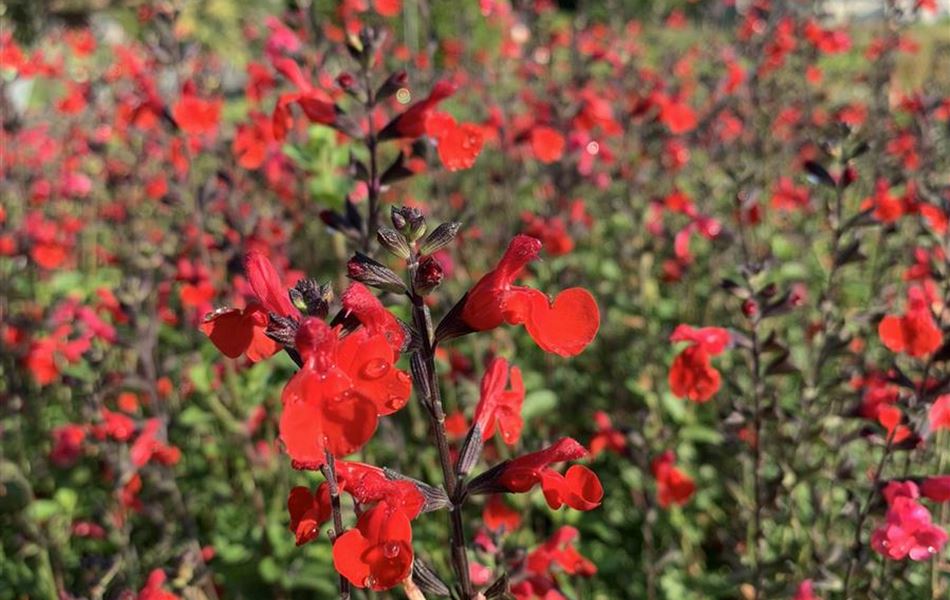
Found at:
[409, 221]
[442, 236]
[429, 276]
[312, 298]
[374, 274]
[394, 242]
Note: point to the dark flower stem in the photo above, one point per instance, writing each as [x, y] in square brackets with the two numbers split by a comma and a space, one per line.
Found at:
[374, 185]
[329, 472]
[433, 403]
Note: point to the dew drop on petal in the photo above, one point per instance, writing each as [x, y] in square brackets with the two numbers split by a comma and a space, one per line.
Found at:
[370, 581]
[375, 369]
[391, 549]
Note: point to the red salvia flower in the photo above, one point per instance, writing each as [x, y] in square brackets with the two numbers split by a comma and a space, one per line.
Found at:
[377, 554]
[500, 408]
[315, 103]
[498, 516]
[940, 413]
[412, 123]
[936, 488]
[154, 589]
[564, 327]
[579, 488]
[559, 550]
[547, 144]
[672, 485]
[332, 403]
[692, 374]
[458, 144]
[308, 511]
[606, 438]
[915, 332]
[238, 331]
[194, 115]
[908, 531]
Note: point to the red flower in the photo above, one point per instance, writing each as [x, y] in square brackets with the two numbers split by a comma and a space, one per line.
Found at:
[147, 446]
[936, 488]
[153, 588]
[315, 103]
[243, 331]
[67, 444]
[559, 550]
[805, 591]
[564, 327]
[606, 437]
[196, 116]
[579, 488]
[308, 511]
[908, 530]
[692, 375]
[498, 516]
[332, 403]
[412, 123]
[672, 485]
[369, 485]
[458, 145]
[915, 332]
[498, 406]
[940, 413]
[378, 553]
[547, 144]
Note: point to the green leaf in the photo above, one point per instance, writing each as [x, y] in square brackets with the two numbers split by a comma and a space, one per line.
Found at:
[538, 402]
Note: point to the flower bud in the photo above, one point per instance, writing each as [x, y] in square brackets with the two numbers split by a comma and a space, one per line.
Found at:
[409, 221]
[374, 274]
[442, 236]
[394, 242]
[312, 298]
[428, 276]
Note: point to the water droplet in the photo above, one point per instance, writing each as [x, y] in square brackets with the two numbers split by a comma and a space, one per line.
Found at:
[370, 581]
[375, 369]
[391, 549]
[931, 550]
[403, 377]
[394, 401]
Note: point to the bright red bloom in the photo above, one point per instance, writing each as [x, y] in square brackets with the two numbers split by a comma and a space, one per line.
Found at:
[315, 103]
[332, 403]
[147, 447]
[908, 530]
[458, 144]
[915, 332]
[499, 516]
[547, 144]
[579, 488]
[805, 591]
[412, 123]
[369, 485]
[498, 406]
[559, 550]
[376, 320]
[243, 331]
[606, 438]
[564, 327]
[692, 374]
[677, 116]
[672, 485]
[115, 425]
[308, 511]
[377, 554]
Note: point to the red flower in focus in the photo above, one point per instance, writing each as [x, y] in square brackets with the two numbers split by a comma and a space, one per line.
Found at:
[606, 438]
[412, 123]
[547, 144]
[377, 554]
[332, 403]
[908, 530]
[692, 374]
[243, 331]
[498, 516]
[308, 511]
[579, 487]
[915, 332]
[559, 550]
[498, 406]
[672, 485]
[564, 327]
